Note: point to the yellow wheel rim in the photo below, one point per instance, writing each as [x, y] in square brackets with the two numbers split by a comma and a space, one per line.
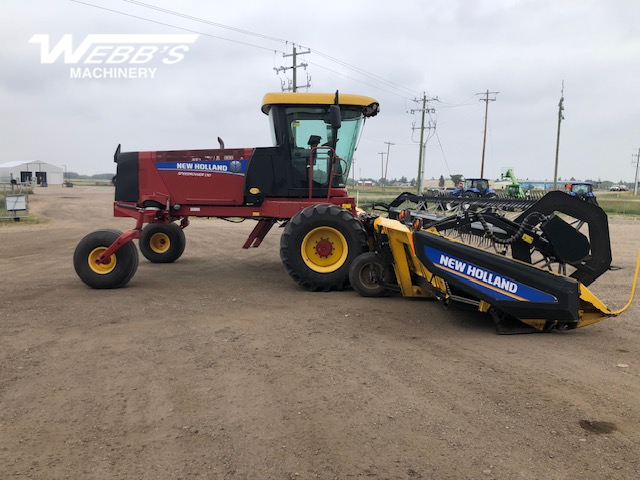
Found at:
[101, 268]
[324, 249]
[160, 242]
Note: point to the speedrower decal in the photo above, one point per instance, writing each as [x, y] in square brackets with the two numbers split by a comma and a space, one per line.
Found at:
[232, 167]
[496, 286]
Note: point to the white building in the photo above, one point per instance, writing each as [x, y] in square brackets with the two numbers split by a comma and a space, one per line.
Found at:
[35, 171]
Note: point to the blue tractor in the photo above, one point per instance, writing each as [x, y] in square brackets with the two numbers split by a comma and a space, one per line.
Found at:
[474, 187]
[582, 190]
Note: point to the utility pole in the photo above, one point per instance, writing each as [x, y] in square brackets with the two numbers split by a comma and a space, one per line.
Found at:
[637, 163]
[387, 165]
[486, 100]
[353, 171]
[432, 125]
[293, 86]
[560, 118]
[382, 169]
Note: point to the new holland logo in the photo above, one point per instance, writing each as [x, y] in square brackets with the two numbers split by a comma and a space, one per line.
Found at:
[489, 283]
[205, 168]
[485, 276]
[235, 166]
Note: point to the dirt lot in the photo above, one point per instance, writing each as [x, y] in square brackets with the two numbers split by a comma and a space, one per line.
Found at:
[218, 366]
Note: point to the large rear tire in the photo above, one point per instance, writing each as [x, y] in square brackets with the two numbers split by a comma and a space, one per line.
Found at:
[319, 244]
[117, 272]
[162, 242]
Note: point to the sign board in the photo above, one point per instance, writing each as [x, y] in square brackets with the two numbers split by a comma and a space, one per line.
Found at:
[15, 202]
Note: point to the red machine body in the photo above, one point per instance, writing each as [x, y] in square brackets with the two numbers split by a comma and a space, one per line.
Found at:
[314, 138]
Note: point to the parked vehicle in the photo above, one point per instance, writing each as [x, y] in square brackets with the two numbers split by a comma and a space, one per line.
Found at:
[513, 190]
[618, 188]
[474, 187]
[582, 190]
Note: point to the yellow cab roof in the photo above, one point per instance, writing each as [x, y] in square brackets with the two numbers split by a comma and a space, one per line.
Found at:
[290, 98]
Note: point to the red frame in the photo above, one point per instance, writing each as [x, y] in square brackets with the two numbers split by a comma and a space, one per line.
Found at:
[155, 186]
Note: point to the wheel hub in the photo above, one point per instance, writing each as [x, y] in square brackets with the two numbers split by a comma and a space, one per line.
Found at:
[160, 243]
[324, 248]
[104, 267]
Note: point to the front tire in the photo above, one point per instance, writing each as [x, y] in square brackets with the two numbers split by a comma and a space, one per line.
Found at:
[162, 242]
[319, 244]
[117, 272]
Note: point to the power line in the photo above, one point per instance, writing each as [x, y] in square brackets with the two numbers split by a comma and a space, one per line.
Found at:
[368, 74]
[465, 103]
[202, 20]
[388, 83]
[400, 90]
[174, 26]
[354, 79]
[443, 155]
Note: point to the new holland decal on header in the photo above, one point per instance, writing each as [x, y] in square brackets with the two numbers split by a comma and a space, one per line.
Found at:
[496, 286]
[485, 276]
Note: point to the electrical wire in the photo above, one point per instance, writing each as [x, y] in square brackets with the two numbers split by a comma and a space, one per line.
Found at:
[464, 103]
[202, 20]
[275, 39]
[355, 79]
[174, 26]
[370, 75]
[398, 90]
[444, 157]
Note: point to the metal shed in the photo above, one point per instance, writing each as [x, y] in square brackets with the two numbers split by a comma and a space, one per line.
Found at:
[34, 171]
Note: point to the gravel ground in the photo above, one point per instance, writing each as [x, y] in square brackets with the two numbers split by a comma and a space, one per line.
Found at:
[218, 366]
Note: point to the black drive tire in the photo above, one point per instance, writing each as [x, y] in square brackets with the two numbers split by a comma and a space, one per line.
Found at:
[117, 273]
[162, 242]
[319, 244]
[368, 274]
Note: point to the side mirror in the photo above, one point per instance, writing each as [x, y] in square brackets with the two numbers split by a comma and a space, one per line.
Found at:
[335, 117]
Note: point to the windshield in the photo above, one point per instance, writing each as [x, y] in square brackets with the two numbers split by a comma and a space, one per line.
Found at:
[581, 188]
[310, 127]
[480, 184]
